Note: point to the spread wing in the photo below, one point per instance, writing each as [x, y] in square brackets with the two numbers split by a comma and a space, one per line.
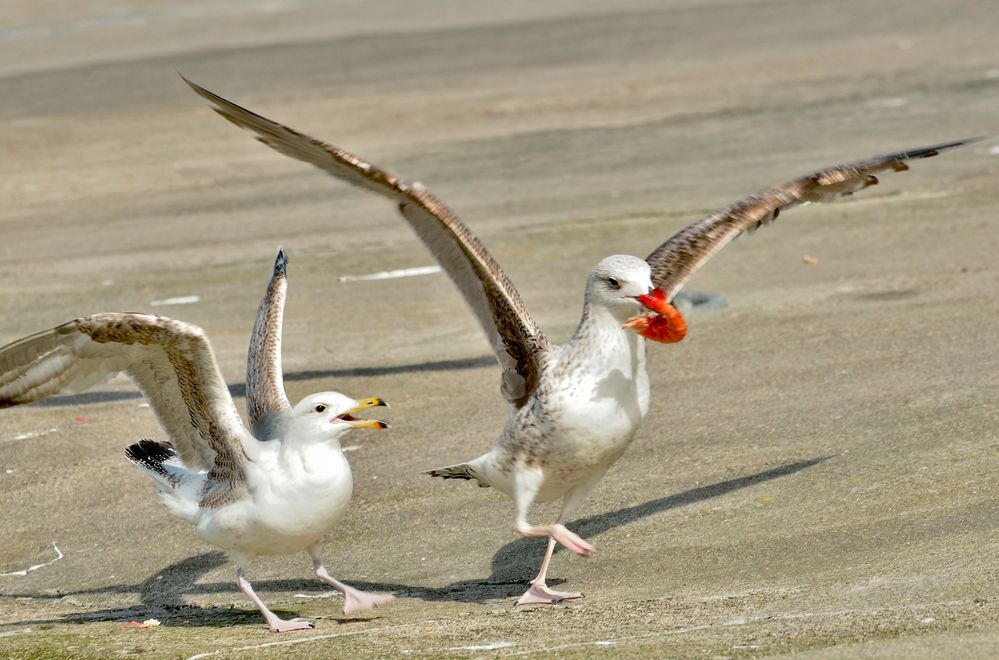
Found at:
[676, 260]
[173, 364]
[516, 339]
[266, 402]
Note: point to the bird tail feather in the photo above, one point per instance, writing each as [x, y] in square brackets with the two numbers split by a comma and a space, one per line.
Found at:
[177, 486]
[465, 471]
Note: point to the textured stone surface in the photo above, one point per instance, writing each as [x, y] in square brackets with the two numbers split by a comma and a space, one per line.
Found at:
[818, 472]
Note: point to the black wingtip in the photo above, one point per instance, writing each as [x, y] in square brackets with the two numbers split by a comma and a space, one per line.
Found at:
[927, 152]
[193, 85]
[281, 262]
[223, 106]
[150, 453]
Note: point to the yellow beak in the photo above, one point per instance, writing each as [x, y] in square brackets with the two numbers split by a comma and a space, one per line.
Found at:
[364, 404]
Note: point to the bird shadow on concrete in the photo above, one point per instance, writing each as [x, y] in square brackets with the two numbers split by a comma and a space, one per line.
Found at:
[513, 565]
[161, 596]
[519, 559]
[239, 389]
[690, 301]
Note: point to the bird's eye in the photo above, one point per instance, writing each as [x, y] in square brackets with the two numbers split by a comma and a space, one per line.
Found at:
[320, 408]
[614, 284]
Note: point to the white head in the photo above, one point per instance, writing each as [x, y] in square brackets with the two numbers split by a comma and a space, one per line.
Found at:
[328, 415]
[616, 282]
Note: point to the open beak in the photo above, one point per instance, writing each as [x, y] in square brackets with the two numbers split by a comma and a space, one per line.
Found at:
[364, 404]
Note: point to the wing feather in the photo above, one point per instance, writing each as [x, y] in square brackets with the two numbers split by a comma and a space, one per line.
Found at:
[266, 401]
[518, 342]
[676, 260]
[173, 364]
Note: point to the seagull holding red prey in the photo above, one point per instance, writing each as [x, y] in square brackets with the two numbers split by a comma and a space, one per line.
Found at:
[576, 406]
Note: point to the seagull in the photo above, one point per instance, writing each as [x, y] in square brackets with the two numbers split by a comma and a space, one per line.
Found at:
[272, 490]
[576, 406]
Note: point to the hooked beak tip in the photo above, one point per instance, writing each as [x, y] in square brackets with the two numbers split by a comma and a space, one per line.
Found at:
[368, 424]
[372, 402]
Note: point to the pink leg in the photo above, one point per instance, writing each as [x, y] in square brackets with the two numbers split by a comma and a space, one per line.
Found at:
[557, 532]
[539, 593]
[526, 485]
[274, 622]
[354, 600]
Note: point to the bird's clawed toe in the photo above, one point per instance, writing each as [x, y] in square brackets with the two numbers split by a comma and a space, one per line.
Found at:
[281, 626]
[355, 600]
[540, 594]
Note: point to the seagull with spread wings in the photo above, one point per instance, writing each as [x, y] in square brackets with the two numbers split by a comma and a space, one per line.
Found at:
[577, 406]
[275, 489]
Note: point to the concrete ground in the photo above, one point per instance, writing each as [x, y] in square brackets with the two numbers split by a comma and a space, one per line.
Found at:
[818, 475]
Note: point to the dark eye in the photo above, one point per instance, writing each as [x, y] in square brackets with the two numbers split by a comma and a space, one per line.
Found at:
[321, 408]
[614, 284]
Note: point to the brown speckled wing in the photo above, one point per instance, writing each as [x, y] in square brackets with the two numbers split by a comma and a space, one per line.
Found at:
[266, 401]
[676, 260]
[173, 364]
[516, 339]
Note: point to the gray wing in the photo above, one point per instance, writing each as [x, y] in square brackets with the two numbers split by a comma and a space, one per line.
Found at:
[676, 260]
[266, 401]
[516, 339]
[173, 364]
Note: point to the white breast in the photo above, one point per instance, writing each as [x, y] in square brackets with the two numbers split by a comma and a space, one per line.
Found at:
[589, 410]
[296, 497]
[603, 390]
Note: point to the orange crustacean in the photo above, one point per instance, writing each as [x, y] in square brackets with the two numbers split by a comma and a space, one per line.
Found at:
[665, 326]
